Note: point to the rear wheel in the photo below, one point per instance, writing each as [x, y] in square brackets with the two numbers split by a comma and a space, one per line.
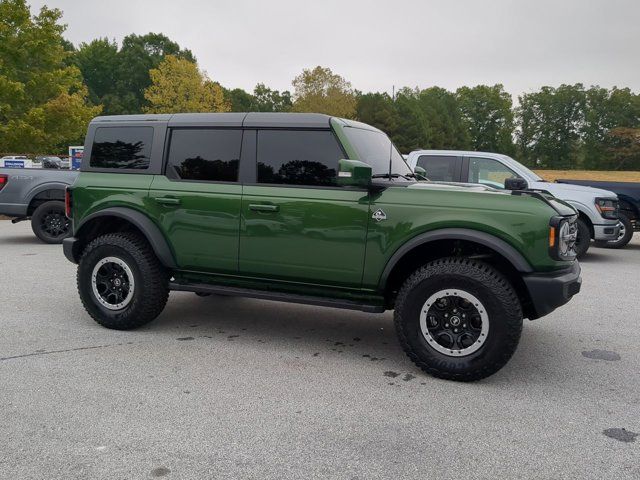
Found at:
[458, 319]
[121, 283]
[624, 237]
[49, 222]
[583, 240]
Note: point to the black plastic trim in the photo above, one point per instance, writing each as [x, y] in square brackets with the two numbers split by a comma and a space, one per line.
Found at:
[500, 246]
[549, 291]
[276, 296]
[149, 229]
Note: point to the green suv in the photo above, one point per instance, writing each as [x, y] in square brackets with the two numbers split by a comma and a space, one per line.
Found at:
[312, 209]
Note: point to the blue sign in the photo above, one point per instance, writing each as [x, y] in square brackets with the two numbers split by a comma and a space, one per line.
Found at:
[75, 157]
[14, 163]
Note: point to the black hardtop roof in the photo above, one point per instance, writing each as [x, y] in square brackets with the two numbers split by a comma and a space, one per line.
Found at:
[232, 119]
[236, 119]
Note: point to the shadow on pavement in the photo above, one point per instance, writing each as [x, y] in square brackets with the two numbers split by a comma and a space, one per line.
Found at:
[22, 240]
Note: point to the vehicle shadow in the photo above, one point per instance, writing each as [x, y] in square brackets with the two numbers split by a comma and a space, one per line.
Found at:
[321, 332]
[21, 240]
[593, 257]
[313, 330]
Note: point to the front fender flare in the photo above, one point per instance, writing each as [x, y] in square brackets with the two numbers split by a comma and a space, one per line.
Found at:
[149, 229]
[503, 248]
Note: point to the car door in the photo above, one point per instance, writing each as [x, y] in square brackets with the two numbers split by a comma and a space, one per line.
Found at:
[297, 224]
[197, 201]
[487, 171]
[441, 168]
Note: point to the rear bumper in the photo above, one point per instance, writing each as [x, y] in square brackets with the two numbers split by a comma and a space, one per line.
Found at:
[13, 209]
[69, 247]
[550, 290]
[606, 232]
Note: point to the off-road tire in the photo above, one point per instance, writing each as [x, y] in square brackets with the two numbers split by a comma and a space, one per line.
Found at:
[622, 241]
[55, 209]
[584, 238]
[151, 281]
[484, 282]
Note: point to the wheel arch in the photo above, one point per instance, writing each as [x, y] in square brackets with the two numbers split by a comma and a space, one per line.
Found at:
[118, 219]
[451, 241]
[44, 193]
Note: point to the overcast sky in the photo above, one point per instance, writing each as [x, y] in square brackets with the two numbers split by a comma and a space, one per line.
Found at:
[377, 44]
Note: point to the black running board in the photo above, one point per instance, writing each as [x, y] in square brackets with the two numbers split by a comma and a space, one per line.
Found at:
[276, 296]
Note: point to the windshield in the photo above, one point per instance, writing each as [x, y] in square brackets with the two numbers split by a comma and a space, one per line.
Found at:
[529, 174]
[375, 148]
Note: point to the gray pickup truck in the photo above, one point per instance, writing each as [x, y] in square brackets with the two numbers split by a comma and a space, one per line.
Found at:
[37, 194]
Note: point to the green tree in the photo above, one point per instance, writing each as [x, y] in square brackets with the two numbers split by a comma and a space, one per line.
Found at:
[43, 105]
[320, 90]
[442, 119]
[99, 63]
[377, 109]
[550, 123]
[239, 100]
[624, 148]
[268, 100]
[487, 114]
[606, 110]
[178, 86]
[117, 78]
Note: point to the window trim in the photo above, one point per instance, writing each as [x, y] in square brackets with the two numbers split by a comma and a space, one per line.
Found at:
[167, 149]
[292, 185]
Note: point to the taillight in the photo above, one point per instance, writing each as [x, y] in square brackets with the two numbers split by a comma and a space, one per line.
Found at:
[67, 202]
[3, 180]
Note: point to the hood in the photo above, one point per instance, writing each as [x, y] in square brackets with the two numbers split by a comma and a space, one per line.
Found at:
[558, 188]
[453, 187]
[560, 206]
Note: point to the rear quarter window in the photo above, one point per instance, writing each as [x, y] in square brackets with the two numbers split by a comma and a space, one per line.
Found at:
[122, 148]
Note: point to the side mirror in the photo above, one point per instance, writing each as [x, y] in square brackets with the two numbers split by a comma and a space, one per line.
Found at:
[420, 172]
[516, 184]
[354, 173]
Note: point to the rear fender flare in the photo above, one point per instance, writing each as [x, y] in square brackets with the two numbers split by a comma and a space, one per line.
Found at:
[143, 223]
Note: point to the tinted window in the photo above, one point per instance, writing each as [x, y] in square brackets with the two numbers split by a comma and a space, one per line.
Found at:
[205, 154]
[122, 147]
[440, 169]
[298, 157]
[375, 148]
[488, 171]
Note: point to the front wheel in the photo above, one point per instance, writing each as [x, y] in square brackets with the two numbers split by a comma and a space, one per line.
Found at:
[624, 237]
[49, 222]
[121, 283]
[458, 319]
[583, 239]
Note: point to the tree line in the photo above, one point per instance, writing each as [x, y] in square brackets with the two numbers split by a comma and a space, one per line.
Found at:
[50, 89]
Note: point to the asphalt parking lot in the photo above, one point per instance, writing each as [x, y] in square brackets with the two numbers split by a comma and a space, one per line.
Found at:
[238, 388]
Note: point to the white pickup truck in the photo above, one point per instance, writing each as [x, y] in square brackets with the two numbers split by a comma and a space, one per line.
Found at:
[597, 209]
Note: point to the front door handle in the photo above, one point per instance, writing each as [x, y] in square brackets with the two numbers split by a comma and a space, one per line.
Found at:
[167, 200]
[263, 208]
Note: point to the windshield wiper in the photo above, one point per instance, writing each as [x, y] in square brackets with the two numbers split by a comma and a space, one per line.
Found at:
[390, 175]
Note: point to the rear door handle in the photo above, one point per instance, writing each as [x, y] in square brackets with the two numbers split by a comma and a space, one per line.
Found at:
[263, 208]
[167, 200]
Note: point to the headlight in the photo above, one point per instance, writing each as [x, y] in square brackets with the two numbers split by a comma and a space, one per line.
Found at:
[608, 207]
[563, 233]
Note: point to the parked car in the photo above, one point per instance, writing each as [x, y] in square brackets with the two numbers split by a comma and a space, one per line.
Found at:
[254, 205]
[50, 162]
[629, 199]
[37, 194]
[597, 208]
